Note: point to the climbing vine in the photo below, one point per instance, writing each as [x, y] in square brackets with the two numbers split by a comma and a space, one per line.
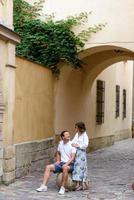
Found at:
[48, 41]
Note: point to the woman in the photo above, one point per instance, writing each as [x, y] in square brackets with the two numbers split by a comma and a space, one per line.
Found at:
[80, 141]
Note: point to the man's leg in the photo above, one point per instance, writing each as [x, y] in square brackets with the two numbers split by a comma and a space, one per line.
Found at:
[65, 175]
[65, 171]
[47, 173]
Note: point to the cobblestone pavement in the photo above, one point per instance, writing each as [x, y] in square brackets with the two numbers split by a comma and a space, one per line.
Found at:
[111, 171]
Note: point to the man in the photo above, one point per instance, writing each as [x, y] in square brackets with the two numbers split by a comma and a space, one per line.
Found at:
[64, 163]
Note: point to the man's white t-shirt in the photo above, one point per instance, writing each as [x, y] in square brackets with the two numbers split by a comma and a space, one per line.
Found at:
[66, 150]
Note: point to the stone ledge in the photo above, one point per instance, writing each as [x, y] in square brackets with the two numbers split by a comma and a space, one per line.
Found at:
[9, 35]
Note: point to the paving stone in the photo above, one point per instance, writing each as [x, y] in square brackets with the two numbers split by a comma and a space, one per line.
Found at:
[110, 170]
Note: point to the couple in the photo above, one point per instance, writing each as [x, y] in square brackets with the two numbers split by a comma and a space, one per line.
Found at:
[70, 158]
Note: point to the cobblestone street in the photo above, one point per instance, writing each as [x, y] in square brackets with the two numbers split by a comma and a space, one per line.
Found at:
[111, 171]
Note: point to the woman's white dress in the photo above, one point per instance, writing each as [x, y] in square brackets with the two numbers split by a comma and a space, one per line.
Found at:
[80, 165]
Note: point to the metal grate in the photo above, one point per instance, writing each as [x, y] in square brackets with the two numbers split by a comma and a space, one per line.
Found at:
[100, 101]
[124, 103]
[117, 111]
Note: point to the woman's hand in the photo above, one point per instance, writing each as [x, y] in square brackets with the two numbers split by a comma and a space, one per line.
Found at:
[75, 145]
[57, 162]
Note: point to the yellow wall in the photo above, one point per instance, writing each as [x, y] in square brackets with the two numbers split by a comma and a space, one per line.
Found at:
[34, 113]
[75, 99]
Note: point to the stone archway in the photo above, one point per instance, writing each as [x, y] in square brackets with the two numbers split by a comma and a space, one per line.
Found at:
[74, 87]
[101, 57]
[95, 64]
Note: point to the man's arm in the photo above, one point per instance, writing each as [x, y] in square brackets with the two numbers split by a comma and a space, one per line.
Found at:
[71, 159]
[58, 157]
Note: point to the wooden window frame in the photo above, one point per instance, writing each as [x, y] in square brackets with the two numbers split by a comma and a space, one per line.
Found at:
[100, 101]
[117, 102]
[124, 109]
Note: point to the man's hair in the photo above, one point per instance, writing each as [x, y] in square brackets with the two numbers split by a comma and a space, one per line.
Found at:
[62, 133]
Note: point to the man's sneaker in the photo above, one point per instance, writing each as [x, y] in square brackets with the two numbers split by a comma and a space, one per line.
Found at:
[62, 190]
[42, 188]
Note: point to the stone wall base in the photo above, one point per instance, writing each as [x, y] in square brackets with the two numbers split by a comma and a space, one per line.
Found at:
[33, 156]
[8, 165]
[100, 142]
[121, 135]
[8, 177]
[105, 141]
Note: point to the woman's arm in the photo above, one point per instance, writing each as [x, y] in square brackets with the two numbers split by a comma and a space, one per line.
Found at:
[85, 142]
[74, 139]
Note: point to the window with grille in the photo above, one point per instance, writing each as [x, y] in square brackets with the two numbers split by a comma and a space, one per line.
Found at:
[100, 101]
[124, 103]
[117, 111]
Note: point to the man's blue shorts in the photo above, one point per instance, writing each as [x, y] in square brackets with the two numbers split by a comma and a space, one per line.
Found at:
[58, 167]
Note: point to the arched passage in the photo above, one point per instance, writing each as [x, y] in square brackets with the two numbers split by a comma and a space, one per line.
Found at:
[73, 90]
[102, 57]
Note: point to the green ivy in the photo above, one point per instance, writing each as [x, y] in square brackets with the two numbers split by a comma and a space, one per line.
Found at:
[48, 42]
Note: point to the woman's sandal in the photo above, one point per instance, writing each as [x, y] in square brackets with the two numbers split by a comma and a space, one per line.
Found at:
[85, 186]
[79, 188]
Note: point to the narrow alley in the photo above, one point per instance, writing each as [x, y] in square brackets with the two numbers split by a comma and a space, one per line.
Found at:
[111, 172]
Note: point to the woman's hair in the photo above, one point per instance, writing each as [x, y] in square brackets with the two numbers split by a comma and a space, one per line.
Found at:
[62, 133]
[81, 126]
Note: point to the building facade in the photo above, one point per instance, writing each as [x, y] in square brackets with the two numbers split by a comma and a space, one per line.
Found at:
[35, 107]
[8, 40]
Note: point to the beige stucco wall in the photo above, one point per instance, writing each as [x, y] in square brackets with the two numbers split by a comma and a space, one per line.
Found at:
[119, 20]
[118, 74]
[8, 40]
[6, 13]
[34, 102]
[68, 99]
[7, 78]
[74, 92]
[74, 104]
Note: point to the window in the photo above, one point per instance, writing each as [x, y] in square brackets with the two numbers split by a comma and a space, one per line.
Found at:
[117, 109]
[124, 103]
[100, 101]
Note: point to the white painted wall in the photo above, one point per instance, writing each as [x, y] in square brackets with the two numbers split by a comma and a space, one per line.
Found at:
[118, 15]
[117, 74]
[119, 32]
[6, 13]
